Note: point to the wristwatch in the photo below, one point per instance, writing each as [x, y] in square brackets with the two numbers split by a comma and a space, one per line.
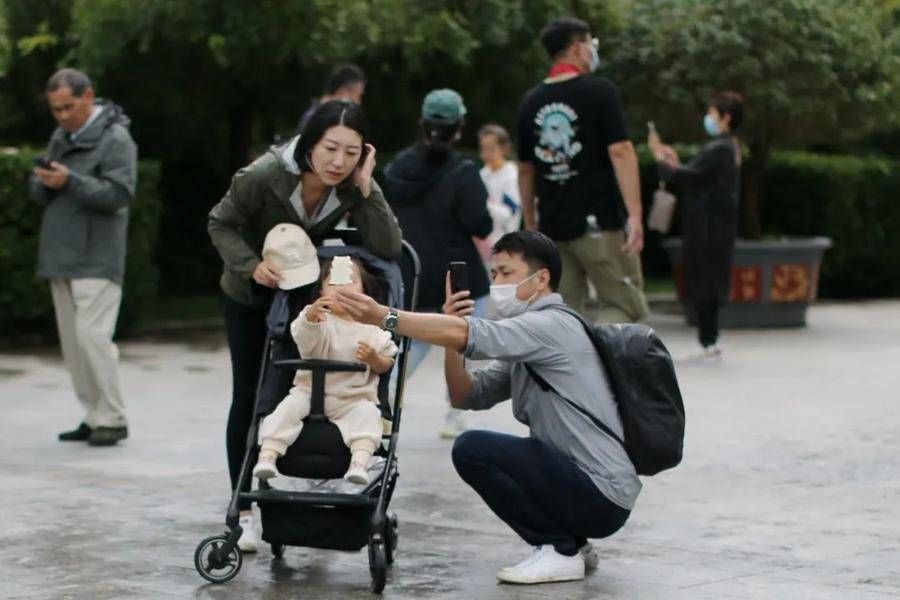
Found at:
[389, 323]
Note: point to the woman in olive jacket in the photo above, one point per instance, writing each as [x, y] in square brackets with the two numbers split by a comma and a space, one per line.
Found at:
[313, 181]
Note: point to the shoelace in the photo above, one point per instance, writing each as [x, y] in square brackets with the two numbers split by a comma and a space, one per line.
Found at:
[538, 554]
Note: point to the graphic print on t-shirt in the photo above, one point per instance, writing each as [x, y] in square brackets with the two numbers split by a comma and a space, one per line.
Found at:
[556, 144]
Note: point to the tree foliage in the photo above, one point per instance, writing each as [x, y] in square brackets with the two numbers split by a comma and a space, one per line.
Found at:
[811, 71]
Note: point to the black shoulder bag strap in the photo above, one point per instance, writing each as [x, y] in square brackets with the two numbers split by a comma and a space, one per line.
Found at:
[542, 383]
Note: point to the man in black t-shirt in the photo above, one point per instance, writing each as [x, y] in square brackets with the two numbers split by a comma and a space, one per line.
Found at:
[577, 161]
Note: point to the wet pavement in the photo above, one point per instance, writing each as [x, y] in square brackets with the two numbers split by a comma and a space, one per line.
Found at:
[789, 488]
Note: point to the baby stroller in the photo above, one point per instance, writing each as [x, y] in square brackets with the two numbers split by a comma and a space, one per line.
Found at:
[315, 519]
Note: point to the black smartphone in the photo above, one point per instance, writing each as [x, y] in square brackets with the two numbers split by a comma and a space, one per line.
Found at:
[42, 162]
[459, 277]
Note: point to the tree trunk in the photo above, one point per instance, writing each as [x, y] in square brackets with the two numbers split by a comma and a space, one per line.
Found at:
[754, 179]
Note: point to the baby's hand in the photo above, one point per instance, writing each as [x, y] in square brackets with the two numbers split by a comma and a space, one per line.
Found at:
[366, 354]
[318, 310]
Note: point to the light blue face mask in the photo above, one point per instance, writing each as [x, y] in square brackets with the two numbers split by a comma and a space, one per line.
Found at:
[595, 58]
[710, 125]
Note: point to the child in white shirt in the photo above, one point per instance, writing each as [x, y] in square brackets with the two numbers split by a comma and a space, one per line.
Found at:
[501, 178]
[324, 331]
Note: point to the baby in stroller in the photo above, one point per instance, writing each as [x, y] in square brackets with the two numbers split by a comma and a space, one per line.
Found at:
[324, 331]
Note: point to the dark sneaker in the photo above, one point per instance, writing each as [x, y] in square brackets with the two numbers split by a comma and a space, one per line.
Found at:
[79, 434]
[107, 436]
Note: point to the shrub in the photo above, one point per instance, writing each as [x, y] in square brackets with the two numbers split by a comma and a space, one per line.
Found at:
[25, 305]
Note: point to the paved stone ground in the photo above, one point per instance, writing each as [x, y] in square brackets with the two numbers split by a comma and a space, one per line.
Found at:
[789, 488]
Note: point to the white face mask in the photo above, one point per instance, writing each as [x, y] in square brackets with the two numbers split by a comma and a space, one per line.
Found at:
[506, 304]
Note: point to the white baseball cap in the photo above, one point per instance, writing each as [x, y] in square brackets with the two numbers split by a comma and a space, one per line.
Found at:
[291, 251]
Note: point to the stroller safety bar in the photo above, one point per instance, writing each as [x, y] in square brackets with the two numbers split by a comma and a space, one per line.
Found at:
[319, 368]
[317, 364]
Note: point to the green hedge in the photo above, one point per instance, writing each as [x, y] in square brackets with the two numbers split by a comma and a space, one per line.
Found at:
[25, 305]
[854, 201]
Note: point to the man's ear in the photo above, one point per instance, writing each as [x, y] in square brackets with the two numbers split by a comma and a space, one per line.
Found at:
[544, 277]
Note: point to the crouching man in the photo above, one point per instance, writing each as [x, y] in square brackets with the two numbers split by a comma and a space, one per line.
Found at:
[568, 481]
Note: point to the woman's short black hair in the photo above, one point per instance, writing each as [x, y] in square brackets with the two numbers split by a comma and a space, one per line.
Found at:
[730, 103]
[536, 249]
[559, 34]
[370, 284]
[329, 114]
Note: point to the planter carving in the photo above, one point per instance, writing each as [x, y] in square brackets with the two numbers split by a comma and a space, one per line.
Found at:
[773, 282]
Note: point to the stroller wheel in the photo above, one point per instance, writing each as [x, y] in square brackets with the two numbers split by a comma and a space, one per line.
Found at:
[377, 565]
[277, 550]
[215, 562]
[390, 539]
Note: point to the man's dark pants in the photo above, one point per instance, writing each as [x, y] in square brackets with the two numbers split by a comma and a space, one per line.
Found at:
[536, 490]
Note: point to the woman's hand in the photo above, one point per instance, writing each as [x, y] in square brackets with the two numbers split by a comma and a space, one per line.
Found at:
[458, 304]
[668, 155]
[266, 274]
[362, 175]
[318, 310]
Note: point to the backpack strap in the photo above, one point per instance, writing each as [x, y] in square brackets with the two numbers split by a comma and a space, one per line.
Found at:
[544, 385]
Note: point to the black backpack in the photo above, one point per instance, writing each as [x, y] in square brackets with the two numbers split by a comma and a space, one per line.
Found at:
[643, 381]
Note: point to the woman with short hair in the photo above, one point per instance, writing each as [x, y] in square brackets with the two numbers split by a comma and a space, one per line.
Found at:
[710, 185]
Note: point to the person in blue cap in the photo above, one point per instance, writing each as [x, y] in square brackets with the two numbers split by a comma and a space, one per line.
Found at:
[440, 202]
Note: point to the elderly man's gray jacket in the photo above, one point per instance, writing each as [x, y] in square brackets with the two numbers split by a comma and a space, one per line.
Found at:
[85, 225]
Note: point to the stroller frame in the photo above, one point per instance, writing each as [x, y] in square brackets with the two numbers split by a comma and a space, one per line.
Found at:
[218, 558]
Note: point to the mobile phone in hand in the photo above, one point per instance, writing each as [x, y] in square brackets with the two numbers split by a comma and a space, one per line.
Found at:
[459, 277]
[42, 162]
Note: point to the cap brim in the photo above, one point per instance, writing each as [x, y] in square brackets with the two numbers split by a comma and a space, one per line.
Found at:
[294, 278]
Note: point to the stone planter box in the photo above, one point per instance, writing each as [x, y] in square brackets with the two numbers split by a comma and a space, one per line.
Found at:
[773, 282]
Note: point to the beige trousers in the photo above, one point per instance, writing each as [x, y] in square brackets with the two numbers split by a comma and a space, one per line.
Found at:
[358, 420]
[616, 276]
[86, 313]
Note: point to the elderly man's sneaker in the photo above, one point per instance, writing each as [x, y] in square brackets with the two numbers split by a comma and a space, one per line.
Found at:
[79, 434]
[107, 436]
[590, 557]
[546, 565]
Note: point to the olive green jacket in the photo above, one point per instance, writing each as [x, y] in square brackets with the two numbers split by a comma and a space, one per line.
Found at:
[259, 199]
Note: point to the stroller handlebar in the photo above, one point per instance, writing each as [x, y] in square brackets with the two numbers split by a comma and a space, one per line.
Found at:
[316, 364]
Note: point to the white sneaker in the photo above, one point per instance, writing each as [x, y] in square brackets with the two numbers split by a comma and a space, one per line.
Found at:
[357, 473]
[265, 467]
[589, 556]
[454, 424]
[544, 566]
[249, 540]
[707, 356]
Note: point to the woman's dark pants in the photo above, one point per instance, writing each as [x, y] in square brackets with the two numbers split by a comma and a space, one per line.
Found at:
[536, 490]
[245, 328]
[708, 323]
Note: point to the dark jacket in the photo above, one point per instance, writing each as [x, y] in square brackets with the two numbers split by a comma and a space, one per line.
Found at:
[440, 208]
[84, 230]
[259, 199]
[709, 186]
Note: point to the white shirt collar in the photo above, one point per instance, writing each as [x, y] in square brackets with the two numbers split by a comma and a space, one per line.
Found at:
[95, 112]
[287, 156]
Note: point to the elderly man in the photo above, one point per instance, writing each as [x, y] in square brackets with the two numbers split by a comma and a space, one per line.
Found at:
[86, 183]
[568, 481]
